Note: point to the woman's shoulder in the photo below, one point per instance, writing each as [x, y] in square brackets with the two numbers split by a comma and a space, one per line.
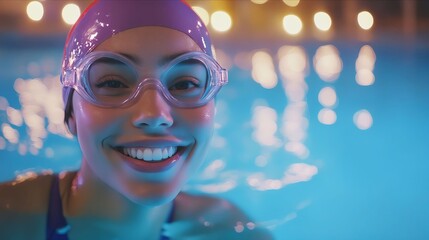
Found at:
[24, 202]
[26, 194]
[199, 203]
[212, 217]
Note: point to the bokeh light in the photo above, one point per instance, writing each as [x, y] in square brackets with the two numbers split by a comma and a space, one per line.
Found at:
[327, 97]
[291, 3]
[365, 77]
[292, 61]
[14, 116]
[35, 10]
[202, 13]
[365, 20]
[259, 1]
[221, 21]
[293, 69]
[292, 24]
[11, 134]
[70, 13]
[264, 122]
[366, 58]
[365, 63]
[322, 20]
[327, 63]
[327, 116]
[263, 71]
[295, 173]
[363, 119]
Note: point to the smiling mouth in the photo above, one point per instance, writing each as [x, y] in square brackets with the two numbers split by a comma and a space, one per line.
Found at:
[150, 154]
[153, 159]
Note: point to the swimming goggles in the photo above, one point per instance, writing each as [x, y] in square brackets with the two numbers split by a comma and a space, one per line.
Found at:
[108, 79]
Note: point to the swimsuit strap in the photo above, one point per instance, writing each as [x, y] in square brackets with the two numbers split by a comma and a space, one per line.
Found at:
[57, 226]
[170, 219]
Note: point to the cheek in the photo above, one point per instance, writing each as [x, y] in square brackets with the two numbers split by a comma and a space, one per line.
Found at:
[200, 120]
[94, 128]
[93, 122]
[87, 118]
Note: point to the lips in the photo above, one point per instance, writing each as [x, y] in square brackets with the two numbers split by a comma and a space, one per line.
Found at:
[151, 159]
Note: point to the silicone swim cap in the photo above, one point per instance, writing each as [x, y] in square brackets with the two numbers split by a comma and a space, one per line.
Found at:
[105, 18]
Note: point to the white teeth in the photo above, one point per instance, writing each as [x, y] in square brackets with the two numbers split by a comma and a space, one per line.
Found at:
[150, 154]
[139, 154]
[157, 154]
[171, 151]
[165, 153]
[147, 154]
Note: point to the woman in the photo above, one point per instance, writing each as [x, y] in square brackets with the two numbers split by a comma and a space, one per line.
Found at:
[139, 82]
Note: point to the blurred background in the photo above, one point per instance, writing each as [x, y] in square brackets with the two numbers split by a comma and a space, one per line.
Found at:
[322, 132]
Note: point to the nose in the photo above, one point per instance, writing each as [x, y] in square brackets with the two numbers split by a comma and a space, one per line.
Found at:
[152, 111]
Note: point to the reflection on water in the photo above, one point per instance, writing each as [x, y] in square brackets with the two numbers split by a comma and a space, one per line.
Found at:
[327, 63]
[327, 97]
[263, 71]
[365, 65]
[41, 112]
[295, 173]
[362, 119]
[293, 68]
[327, 116]
[264, 122]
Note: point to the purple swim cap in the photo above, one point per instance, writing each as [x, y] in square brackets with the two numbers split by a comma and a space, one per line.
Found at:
[105, 18]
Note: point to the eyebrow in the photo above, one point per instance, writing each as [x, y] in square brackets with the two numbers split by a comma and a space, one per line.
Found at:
[164, 60]
[133, 58]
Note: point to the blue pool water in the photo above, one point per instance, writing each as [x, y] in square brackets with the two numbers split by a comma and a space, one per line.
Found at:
[314, 156]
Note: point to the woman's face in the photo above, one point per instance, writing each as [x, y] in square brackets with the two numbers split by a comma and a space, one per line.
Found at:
[111, 138]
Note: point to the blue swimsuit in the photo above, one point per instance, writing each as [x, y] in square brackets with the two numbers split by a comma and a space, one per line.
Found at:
[57, 226]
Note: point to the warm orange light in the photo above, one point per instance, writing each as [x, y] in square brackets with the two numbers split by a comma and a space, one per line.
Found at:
[365, 20]
[292, 24]
[35, 10]
[259, 1]
[322, 21]
[221, 21]
[291, 3]
[70, 13]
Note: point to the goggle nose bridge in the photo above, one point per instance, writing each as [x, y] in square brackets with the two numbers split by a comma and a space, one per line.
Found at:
[150, 83]
[155, 84]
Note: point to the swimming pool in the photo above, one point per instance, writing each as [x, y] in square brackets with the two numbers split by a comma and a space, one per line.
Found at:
[316, 141]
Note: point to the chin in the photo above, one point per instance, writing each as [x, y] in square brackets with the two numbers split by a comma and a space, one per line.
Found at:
[154, 199]
[149, 193]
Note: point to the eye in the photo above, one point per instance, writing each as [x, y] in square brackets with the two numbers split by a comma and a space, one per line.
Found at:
[184, 85]
[111, 82]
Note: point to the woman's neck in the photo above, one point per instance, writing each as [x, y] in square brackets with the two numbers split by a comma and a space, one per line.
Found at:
[90, 203]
